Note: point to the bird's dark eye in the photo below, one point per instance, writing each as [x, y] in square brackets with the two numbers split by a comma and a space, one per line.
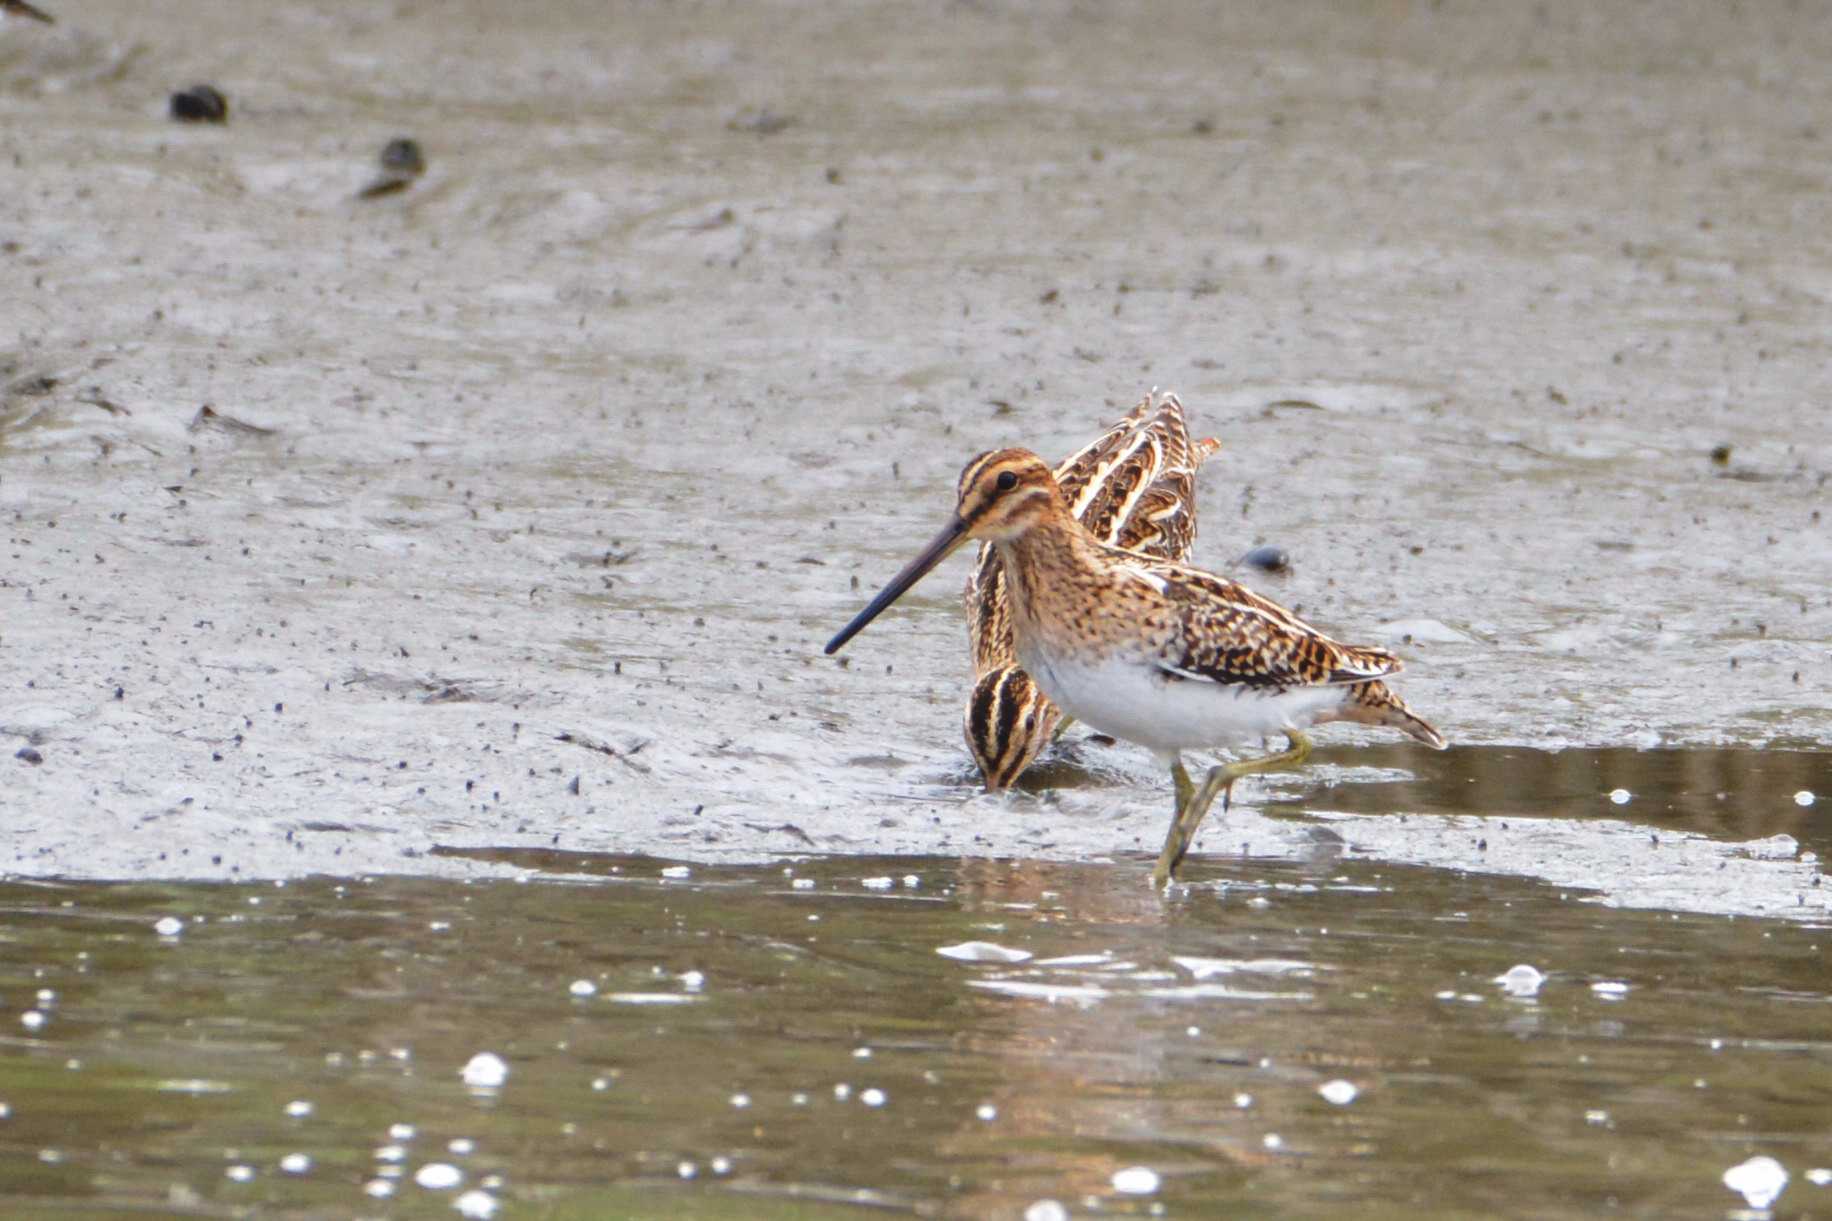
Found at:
[1007, 480]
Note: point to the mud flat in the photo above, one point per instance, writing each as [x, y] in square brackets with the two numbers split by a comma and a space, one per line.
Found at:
[528, 490]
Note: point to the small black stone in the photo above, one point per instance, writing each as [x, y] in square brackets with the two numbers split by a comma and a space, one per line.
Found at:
[402, 162]
[1267, 558]
[200, 104]
[29, 754]
[402, 155]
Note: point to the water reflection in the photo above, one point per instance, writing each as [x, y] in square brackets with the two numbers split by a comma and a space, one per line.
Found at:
[1731, 793]
[789, 1041]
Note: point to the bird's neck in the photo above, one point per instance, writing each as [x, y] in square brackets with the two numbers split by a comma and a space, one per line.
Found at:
[1045, 565]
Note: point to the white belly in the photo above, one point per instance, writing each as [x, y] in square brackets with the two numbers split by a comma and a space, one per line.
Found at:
[1140, 704]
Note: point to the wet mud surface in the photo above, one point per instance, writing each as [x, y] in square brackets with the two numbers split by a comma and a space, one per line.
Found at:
[509, 509]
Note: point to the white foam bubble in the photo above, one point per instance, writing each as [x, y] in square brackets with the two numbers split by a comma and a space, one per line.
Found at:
[485, 1071]
[1760, 1181]
[983, 951]
[1136, 1181]
[475, 1203]
[1522, 980]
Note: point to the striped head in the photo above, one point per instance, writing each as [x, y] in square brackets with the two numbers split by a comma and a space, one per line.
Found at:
[1008, 723]
[1005, 492]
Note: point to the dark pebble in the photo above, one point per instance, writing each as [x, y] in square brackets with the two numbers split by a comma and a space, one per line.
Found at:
[200, 104]
[29, 754]
[1267, 559]
[402, 162]
[403, 156]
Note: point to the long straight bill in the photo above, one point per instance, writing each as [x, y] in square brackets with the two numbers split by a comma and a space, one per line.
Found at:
[943, 545]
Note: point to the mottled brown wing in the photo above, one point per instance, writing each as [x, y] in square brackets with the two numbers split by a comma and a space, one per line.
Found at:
[1075, 472]
[1163, 525]
[1142, 496]
[1221, 631]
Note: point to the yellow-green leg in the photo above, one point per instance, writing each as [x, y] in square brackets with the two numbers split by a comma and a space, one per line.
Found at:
[1173, 850]
[1193, 803]
[1062, 727]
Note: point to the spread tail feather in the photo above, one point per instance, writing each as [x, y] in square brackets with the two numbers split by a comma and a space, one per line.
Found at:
[1373, 703]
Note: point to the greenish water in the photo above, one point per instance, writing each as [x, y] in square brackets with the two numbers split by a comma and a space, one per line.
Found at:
[1727, 793]
[788, 1041]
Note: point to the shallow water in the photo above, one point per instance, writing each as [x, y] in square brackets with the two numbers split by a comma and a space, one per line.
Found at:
[568, 455]
[791, 1042]
[1726, 794]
